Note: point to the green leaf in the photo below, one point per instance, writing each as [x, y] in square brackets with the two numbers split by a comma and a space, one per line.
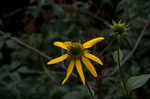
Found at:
[15, 76]
[12, 44]
[78, 92]
[26, 70]
[14, 65]
[34, 39]
[137, 81]
[108, 2]
[115, 55]
[58, 92]
[58, 10]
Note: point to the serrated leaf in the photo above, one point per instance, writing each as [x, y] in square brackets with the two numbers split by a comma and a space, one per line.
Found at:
[115, 55]
[137, 81]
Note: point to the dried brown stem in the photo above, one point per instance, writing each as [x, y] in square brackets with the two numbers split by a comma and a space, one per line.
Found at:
[13, 12]
[136, 44]
[32, 48]
[25, 45]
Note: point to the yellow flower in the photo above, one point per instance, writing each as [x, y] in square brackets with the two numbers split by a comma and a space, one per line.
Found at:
[76, 52]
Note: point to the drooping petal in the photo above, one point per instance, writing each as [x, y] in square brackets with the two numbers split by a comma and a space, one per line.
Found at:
[89, 66]
[69, 70]
[80, 71]
[93, 57]
[60, 44]
[58, 59]
[92, 42]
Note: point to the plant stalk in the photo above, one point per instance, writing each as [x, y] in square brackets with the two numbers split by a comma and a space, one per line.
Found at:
[91, 92]
[120, 70]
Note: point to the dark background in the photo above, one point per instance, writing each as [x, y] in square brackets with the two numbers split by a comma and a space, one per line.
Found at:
[24, 73]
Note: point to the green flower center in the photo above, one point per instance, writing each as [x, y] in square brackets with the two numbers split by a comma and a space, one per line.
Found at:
[75, 49]
[119, 29]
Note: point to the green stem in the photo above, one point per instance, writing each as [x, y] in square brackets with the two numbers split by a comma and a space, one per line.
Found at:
[91, 92]
[120, 71]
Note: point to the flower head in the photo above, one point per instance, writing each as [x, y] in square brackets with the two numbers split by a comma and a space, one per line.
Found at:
[119, 29]
[76, 52]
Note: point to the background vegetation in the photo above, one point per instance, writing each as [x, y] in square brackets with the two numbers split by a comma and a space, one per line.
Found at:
[28, 25]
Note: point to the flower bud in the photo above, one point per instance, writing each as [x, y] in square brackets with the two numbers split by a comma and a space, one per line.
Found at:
[119, 29]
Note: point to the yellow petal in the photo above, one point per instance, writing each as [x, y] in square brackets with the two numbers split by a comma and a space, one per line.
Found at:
[58, 59]
[92, 42]
[67, 43]
[93, 57]
[60, 44]
[69, 70]
[80, 71]
[89, 66]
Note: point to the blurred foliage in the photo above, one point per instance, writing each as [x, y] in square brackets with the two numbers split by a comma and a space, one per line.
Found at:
[25, 75]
